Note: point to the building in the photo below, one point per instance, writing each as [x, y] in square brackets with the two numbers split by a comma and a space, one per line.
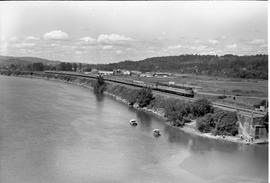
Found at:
[260, 108]
[147, 74]
[135, 73]
[119, 72]
[105, 73]
[126, 72]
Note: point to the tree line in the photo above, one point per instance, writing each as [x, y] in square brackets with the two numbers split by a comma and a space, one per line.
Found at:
[63, 66]
[251, 67]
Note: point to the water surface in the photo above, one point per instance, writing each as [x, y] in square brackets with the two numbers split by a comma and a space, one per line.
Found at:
[53, 132]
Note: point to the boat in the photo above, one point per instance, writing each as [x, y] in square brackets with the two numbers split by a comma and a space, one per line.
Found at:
[133, 122]
[156, 132]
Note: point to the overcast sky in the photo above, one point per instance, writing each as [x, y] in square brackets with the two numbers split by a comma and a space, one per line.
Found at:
[104, 32]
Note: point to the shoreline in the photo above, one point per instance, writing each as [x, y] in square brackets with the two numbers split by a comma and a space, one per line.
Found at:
[187, 128]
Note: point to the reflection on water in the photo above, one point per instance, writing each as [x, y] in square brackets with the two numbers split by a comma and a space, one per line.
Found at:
[198, 143]
[144, 119]
[99, 97]
[53, 132]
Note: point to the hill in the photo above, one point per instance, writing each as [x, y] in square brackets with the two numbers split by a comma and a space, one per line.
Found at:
[8, 60]
[251, 67]
[255, 66]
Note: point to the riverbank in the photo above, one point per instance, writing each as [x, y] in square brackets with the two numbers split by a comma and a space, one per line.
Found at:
[113, 91]
[189, 127]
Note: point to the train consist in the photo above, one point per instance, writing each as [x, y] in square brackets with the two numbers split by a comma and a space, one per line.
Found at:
[182, 91]
[163, 87]
[173, 85]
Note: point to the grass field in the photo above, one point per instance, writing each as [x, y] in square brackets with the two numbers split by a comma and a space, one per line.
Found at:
[247, 92]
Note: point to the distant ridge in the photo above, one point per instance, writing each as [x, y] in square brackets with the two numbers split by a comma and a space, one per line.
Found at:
[7, 60]
[252, 66]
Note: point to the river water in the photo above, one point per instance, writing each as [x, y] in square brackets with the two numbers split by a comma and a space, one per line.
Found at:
[51, 132]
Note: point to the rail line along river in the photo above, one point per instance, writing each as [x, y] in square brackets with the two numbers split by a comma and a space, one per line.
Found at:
[53, 132]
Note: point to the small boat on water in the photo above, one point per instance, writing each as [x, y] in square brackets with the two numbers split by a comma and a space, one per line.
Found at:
[156, 132]
[133, 122]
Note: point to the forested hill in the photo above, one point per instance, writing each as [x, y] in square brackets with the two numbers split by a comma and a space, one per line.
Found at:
[255, 66]
[225, 66]
[8, 60]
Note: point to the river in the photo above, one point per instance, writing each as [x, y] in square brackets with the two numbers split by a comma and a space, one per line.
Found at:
[51, 132]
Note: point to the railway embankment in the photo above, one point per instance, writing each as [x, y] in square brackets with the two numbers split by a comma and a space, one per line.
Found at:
[197, 117]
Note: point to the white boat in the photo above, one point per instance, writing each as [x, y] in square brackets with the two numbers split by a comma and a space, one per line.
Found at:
[133, 122]
[156, 132]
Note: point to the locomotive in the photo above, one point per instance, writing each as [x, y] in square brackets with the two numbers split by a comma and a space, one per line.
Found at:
[180, 90]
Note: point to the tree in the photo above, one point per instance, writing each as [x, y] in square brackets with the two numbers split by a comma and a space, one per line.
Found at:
[226, 123]
[179, 122]
[68, 67]
[80, 67]
[29, 67]
[132, 97]
[201, 107]
[227, 66]
[87, 68]
[61, 66]
[64, 67]
[176, 110]
[13, 67]
[50, 67]
[206, 123]
[144, 97]
[38, 67]
[100, 85]
[219, 123]
[74, 65]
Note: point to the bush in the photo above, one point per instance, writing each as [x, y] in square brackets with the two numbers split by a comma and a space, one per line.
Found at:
[220, 123]
[178, 112]
[226, 123]
[178, 123]
[201, 107]
[132, 96]
[144, 97]
[190, 117]
[206, 123]
[172, 112]
[176, 109]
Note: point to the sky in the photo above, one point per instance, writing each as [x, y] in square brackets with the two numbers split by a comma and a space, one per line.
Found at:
[111, 31]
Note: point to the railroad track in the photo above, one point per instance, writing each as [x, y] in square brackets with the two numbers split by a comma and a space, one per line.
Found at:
[168, 90]
[233, 108]
[180, 92]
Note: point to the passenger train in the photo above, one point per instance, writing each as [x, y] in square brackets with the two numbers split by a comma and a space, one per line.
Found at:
[163, 87]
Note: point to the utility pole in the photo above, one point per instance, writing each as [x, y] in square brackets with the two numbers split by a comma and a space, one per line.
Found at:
[234, 98]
